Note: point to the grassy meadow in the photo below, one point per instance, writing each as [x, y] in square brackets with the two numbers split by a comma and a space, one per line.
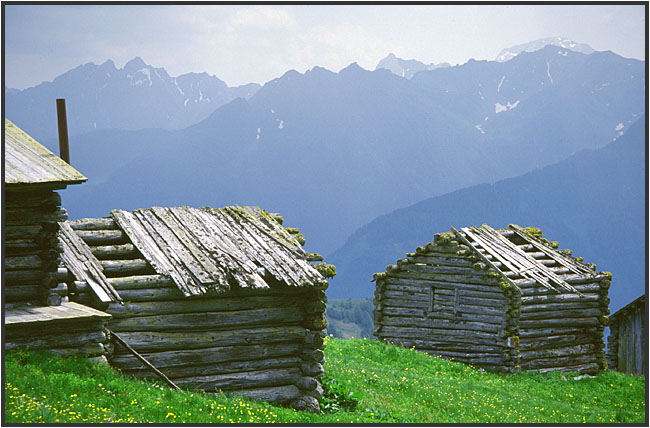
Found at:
[365, 381]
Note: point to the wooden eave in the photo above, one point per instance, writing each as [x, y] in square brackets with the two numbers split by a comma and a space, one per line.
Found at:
[29, 164]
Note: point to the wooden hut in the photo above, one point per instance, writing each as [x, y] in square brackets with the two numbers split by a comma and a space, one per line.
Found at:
[216, 299]
[502, 299]
[627, 345]
[37, 311]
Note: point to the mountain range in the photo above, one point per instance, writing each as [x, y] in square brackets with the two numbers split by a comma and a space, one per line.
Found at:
[134, 97]
[332, 151]
[591, 203]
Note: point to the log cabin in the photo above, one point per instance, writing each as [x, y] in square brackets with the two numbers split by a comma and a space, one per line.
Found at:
[504, 300]
[37, 311]
[627, 344]
[215, 299]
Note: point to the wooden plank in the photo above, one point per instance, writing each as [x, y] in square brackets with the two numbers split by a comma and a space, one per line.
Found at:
[128, 267]
[172, 250]
[136, 282]
[145, 242]
[397, 333]
[275, 394]
[272, 260]
[55, 340]
[19, 217]
[221, 367]
[22, 263]
[533, 264]
[561, 259]
[102, 237]
[562, 314]
[459, 324]
[102, 223]
[244, 380]
[220, 247]
[85, 267]
[182, 242]
[511, 259]
[217, 354]
[195, 305]
[424, 283]
[208, 320]
[294, 256]
[575, 322]
[149, 341]
[23, 293]
[122, 251]
[66, 311]
[144, 361]
[485, 259]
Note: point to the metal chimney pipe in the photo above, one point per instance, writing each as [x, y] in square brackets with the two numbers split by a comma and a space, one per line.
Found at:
[64, 147]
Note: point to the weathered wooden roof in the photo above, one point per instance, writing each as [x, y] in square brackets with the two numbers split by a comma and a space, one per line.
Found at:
[28, 162]
[211, 249]
[81, 262]
[526, 264]
[631, 307]
[520, 255]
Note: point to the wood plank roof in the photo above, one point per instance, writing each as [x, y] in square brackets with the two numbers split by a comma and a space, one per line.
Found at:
[528, 259]
[28, 162]
[213, 249]
[627, 309]
[47, 314]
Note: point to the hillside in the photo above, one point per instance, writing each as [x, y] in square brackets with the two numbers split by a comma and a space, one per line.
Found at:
[350, 318]
[365, 382]
[331, 151]
[591, 203]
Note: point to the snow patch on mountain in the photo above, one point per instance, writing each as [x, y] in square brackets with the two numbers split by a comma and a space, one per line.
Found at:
[511, 52]
[498, 107]
[140, 77]
[548, 72]
[501, 83]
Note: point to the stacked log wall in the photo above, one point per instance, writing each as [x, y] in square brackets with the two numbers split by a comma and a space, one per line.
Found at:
[264, 343]
[32, 253]
[82, 335]
[562, 330]
[443, 301]
[627, 348]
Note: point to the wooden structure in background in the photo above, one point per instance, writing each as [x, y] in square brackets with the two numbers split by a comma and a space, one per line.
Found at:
[501, 299]
[216, 299]
[37, 312]
[627, 346]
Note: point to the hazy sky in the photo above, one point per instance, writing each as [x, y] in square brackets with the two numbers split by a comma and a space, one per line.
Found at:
[241, 44]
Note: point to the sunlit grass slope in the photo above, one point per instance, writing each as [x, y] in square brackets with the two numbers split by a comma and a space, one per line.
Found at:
[366, 381]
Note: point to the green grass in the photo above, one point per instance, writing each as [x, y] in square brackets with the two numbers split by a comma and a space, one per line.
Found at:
[367, 381]
[343, 329]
